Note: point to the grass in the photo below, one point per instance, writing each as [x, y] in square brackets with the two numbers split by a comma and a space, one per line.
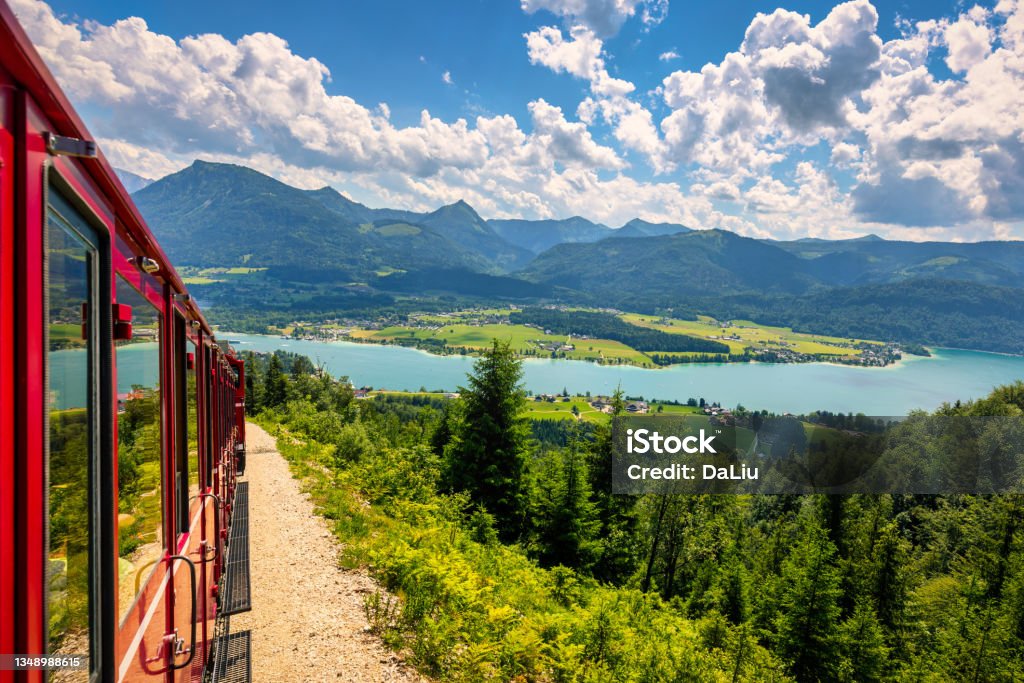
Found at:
[751, 335]
[542, 410]
[520, 337]
[209, 276]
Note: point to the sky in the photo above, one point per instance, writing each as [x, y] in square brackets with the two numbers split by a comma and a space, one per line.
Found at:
[781, 119]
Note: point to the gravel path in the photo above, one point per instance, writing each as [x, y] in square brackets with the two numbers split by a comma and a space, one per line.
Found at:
[307, 618]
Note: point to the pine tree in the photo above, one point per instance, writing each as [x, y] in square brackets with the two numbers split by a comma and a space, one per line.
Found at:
[863, 646]
[275, 392]
[487, 454]
[808, 611]
[568, 523]
[617, 554]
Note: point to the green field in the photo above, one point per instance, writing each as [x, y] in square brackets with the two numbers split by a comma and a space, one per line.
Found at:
[751, 335]
[473, 331]
[478, 337]
[209, 276]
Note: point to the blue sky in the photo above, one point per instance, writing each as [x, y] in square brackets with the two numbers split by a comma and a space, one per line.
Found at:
[808, 118]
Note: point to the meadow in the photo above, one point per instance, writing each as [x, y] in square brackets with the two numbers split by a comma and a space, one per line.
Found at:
[473, 331]
[750, 335]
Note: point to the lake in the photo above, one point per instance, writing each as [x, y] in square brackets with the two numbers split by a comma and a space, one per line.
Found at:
[797, 388]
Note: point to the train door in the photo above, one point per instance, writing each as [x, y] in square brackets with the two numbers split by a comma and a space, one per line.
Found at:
[187, 600]
[143, 499]
[212, 480]
[209, 501]
[75, 293]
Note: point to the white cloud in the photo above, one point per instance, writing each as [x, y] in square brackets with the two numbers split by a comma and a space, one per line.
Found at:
[844, 154]
[668, 56]
[602, 17]
[446, 77]
[569, 143]
[580, 56]
[969, 43]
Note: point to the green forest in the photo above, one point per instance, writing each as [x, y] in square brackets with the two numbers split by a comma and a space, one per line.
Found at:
[502, 554]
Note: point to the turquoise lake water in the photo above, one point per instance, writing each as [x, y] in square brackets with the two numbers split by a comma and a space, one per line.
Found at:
[913, 383]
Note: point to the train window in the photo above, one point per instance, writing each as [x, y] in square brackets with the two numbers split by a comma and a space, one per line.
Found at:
[72, 281]
[139, 462]
[186, 461]
[192, 392]
[210, 459]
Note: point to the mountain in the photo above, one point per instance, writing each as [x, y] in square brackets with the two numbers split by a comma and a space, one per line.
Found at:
[460, 223]
[132, 182]
[871, 259]
[221, 215]
[641, 228]
[357, 213]
[538, 236]
[684, 264]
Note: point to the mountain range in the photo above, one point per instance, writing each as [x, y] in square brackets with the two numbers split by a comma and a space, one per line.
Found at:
[320, 252]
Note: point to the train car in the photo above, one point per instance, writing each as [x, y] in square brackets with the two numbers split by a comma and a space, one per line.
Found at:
[122, 520]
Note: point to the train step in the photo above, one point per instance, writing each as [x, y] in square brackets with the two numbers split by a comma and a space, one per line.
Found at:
[237, 595]
[232, 658]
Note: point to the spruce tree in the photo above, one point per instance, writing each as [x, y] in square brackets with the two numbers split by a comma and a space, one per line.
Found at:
[618, 552]
[808, 611]
[276, 386]
[487, 454]
[568, 520]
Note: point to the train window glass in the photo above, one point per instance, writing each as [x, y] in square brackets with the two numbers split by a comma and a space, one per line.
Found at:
[209, 409]
[191, 391]
[139, 468]
[71, 269]
[186, 461]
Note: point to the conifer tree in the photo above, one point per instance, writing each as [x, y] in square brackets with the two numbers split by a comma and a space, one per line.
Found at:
[487, 454]
[569, 520]
[276, 385]
[808, 611]
[617, 555]
[863, 646]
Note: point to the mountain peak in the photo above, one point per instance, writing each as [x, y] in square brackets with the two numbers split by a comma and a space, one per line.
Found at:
[640, 227]
[460, 207]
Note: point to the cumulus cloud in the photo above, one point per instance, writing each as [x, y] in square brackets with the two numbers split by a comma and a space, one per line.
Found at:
[668, 56]
[579, 55]
[602, 17]
[446, 77]
[569, 143]
[968, 43]
[789, 82]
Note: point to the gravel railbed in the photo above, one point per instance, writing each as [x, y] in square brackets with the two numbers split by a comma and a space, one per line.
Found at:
[307, 618]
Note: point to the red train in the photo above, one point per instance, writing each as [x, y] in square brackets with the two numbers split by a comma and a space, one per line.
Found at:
[121, 419]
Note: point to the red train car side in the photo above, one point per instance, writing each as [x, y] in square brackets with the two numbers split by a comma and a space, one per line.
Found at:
[121, 417]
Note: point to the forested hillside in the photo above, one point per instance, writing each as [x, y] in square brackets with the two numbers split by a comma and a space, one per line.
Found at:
[506, 557]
